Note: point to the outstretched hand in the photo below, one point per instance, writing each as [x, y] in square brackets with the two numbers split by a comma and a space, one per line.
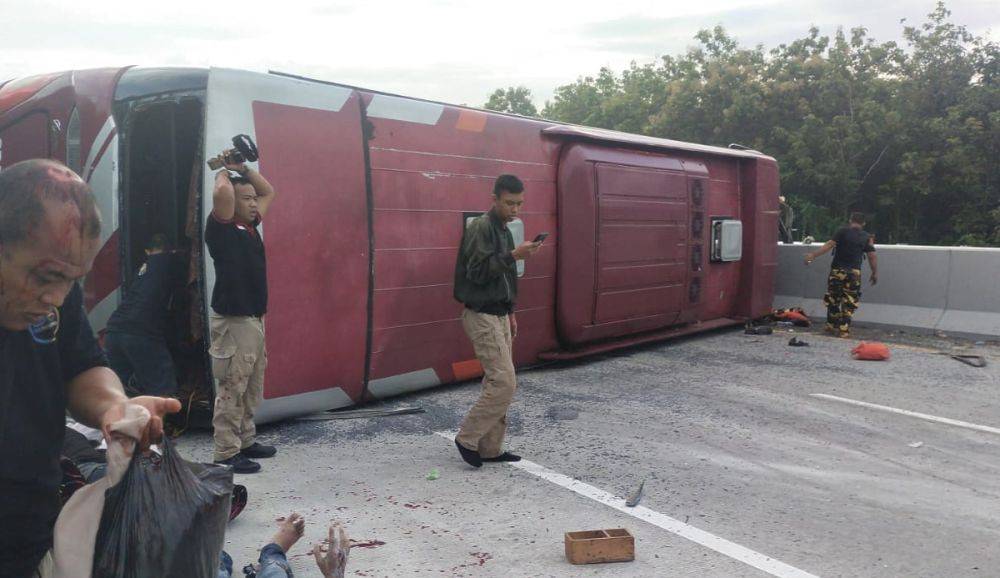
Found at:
[333, 561]
[158, 407]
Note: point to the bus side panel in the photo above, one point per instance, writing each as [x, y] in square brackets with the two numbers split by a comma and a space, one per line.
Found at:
[316, 232]
[430, 166]
[760, 237]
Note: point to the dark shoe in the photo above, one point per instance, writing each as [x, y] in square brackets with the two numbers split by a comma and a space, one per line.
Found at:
[504, 457]
[796, 342]
[239, 501]
[471, 457]
[257, 451]
[240, 464]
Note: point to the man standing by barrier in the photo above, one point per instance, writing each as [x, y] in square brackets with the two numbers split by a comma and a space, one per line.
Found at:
[486, 283]
[50, 362]
[239, 302]
[843, 295]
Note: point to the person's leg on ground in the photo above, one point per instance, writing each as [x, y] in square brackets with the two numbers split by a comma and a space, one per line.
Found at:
[232, 363]
[154, 367]
[489, 336]
[834, 300]
[852, 298]
[251, 400]
[225, 565]
[491, 444]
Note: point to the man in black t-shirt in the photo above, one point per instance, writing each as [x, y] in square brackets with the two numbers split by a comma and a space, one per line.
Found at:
[239, 302]
[843, 295]
[49, 360]
[136, 339]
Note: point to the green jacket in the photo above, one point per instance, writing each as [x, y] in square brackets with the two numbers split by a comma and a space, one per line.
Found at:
[485, 270]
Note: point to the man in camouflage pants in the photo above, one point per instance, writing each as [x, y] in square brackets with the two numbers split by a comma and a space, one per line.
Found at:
[843, 293]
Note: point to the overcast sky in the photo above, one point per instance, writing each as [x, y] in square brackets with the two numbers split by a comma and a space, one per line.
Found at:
[446, 50]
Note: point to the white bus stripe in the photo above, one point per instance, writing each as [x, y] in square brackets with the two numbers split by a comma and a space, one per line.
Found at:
[924, 416]
[97, 145]
[701, 537]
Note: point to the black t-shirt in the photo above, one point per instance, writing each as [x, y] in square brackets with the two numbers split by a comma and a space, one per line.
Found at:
[852, 244]
[144, 309]
[33, 380]
[240, 268]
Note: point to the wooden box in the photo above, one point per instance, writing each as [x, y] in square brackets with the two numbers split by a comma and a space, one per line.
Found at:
[599, 546]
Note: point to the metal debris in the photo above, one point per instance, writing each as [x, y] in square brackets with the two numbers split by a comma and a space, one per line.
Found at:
[633, 500]
[359, 413]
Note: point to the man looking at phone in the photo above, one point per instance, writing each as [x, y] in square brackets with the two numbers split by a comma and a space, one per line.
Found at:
[239, 302]
[486, 283]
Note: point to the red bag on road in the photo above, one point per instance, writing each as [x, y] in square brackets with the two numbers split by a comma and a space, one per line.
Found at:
[871, 351]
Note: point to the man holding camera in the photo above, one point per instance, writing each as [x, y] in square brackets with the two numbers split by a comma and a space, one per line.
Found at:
[486, 283]
[239, 302]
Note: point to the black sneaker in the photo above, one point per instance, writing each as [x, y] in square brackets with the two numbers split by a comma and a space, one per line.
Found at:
[471, 457]
[240, 464]
[257, 451]
[504, 457]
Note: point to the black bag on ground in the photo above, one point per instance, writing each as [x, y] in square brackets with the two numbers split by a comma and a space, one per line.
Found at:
[166, 518]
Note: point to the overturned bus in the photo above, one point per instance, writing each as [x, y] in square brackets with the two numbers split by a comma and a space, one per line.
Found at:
[649, 238]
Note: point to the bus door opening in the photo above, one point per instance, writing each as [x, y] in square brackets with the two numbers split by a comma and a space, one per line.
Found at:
[162, 163]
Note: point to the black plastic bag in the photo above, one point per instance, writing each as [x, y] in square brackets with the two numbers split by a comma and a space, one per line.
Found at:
[166, 518]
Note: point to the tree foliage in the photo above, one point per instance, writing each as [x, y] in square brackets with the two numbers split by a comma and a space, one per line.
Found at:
[907, 133]
[513, 99]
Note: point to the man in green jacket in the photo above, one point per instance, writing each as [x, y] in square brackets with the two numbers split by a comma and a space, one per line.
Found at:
[486, 283]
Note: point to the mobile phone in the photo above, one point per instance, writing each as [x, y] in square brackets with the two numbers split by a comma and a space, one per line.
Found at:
[540, 237]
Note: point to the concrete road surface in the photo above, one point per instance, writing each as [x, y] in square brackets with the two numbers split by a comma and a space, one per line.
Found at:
[747, 472]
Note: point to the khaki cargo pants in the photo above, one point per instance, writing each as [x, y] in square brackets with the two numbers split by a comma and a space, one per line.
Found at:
[238, 361]
[484, 427]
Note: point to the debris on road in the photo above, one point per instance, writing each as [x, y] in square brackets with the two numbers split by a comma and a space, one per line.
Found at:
[916, 444]
[359, 413]
[435, 474]
[633, 500]
[796, 342]
[971, 360]
[871, 351]
[600, 546]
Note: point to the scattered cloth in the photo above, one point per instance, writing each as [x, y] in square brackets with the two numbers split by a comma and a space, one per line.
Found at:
[796, 315]
[872, 351]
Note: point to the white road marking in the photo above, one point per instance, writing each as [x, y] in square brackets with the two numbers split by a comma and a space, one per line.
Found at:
[701, 537]
[928, 417]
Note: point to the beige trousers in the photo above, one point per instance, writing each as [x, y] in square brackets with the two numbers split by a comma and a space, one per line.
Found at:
[484, 427]
[238, 362]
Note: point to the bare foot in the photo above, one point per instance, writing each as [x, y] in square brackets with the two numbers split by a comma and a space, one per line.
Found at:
[289, 531]
[333, 561]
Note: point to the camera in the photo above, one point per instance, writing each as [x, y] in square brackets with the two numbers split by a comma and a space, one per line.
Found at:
[244, 150]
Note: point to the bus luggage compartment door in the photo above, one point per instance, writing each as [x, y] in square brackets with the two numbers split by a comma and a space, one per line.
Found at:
[316, 233]
[625, 226]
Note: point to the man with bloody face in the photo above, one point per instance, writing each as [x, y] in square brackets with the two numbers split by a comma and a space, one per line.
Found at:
[51, 362]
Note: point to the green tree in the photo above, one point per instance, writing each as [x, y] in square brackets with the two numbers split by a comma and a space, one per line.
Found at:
[907, 133]
[514, 100]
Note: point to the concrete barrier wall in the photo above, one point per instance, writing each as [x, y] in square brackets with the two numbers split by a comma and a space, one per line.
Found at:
[950, 289]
